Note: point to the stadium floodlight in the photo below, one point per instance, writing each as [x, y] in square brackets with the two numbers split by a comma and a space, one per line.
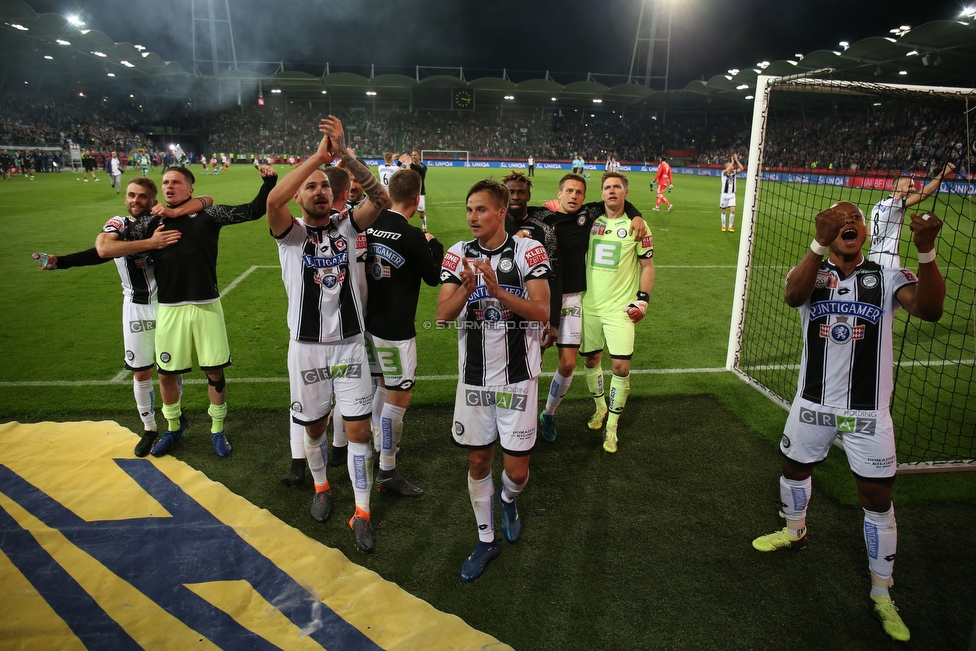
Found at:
[968, 12]
[553, 98]
[139, 47]
[99, 54]
[61, 41]
[902, 72]
[763, 65]
[76, 21]
[49, 57]
[510, 97]
[131, 95]
[324, 92]
[793, 63]
[111, 74]
[126, 64]
[844, 44]
[798, 56]
[747, 97]
[278, 90]
[734, 71]
[597, 100]
[20, 27]
[742, 86]
[912, 53]
[371, 93]
[145, 54]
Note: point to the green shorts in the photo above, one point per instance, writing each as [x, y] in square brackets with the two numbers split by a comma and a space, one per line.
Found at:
[181, 329]
[614, 329]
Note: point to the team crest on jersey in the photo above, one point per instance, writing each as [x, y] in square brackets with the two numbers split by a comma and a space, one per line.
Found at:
[451, 261]
[165, 358]
[869, 280]
[492, 314]
[826, 279]
[327, 280]
[786, 442]
[621, 233]
[378, 271]
[505, 265]
[536, 256]
[841, 332]
[581, 220]
[296, 406]
[458, 429]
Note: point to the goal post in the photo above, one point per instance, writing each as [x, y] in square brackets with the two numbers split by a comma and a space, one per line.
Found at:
[816, 141]
[455, 155]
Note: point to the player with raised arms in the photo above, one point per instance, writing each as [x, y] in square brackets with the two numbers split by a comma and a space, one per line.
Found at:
[327, 349]
[847, 307]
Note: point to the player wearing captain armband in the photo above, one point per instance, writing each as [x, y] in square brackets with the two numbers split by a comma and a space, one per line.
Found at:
[496, 291]
[619, 280]
[847, 307]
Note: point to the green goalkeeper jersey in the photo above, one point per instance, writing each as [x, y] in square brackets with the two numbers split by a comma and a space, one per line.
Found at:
[612, 265]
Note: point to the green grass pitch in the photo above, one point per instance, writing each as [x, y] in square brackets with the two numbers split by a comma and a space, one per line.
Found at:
[645, 549]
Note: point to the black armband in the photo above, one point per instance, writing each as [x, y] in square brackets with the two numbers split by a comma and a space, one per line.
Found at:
[643, 296]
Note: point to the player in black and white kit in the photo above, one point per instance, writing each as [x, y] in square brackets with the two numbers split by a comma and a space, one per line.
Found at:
[496, 287]
[418, 166]
[134, 261]
[727, 200]
[6, 164]
[847, 307]
[888, 216]
[400, 257]
[327, 351]
[190, 317]
[387, 169]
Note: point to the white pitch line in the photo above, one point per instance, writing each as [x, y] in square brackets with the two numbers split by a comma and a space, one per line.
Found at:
[266, 380]
[237, 281]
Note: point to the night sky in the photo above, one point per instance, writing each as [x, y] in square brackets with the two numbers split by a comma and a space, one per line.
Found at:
[564, 36]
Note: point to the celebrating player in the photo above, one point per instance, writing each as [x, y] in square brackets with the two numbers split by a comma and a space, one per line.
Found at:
[727, 200]
[190, 316]
[327, 351]
[664, 181]
[122, 239]
[847, 307]
[387, 169]
[497, 288]
[888, 216]
[619, 280]
[400, 256]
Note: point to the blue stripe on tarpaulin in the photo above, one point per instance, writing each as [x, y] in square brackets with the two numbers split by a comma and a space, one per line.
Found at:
[160, 555]
[89, 622]
[100, 550]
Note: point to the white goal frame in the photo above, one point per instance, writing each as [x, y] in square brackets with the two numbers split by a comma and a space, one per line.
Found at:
[425, 154]
[764, 85]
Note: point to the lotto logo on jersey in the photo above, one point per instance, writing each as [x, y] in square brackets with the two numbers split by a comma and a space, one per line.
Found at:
[500, 399]
[451, 261]
[536, 255]
[142, 325]
[605, 254]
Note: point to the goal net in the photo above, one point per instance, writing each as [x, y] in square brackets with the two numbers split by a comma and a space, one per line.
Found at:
[819, 141]
[454, 155]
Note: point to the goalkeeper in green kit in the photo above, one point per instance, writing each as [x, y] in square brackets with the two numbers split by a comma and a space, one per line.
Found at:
[619, 279]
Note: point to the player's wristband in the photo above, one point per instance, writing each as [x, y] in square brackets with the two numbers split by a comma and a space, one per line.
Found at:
[818, 248]
[643, 296]
[928, 256]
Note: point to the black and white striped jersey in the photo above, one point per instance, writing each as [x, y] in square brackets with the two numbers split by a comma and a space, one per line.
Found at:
[728, 182]
[847, 343]
[321, 279]
[136, 270]
[497, 347]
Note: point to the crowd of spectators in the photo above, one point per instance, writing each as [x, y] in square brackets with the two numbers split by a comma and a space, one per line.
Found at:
[894, 138]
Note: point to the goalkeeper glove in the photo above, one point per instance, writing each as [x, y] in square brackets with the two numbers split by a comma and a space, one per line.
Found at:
[670, 187]
[637, 308]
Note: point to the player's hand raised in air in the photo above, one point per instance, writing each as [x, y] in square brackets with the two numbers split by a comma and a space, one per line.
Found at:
[267, 171]
[925, 230]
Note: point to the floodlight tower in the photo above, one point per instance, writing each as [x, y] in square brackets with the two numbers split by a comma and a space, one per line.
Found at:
[652, 46]
[213, 38]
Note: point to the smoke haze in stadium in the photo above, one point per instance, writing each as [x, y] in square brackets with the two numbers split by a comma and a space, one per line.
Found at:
[575, 36]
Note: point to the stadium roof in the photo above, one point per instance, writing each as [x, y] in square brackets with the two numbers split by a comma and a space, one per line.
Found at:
[47, 49]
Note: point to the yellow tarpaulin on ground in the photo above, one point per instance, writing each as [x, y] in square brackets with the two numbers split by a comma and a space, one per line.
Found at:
[101, 550]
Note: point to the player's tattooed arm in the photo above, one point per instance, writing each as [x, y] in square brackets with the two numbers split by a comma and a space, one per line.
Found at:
[377, 196]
